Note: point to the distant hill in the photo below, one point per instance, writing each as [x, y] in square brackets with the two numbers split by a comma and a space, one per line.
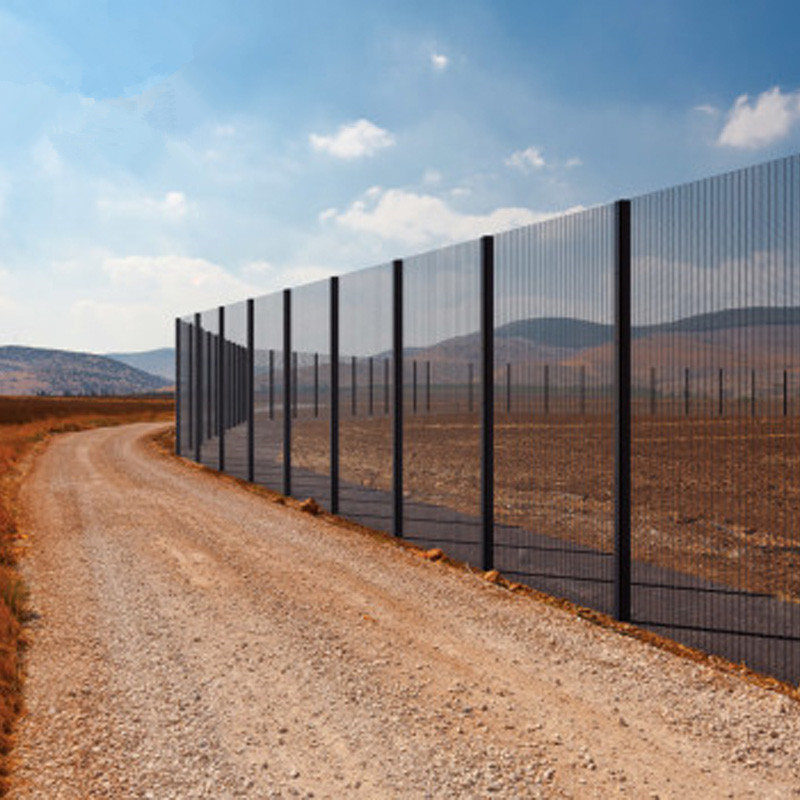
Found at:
[157, 362]
[33, 370]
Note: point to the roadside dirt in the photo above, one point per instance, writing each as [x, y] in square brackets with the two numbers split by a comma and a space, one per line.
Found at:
[194, 639]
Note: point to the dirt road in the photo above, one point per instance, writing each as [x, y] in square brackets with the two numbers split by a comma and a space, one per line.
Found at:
[196, 640]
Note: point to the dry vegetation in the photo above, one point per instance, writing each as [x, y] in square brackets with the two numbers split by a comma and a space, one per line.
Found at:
[24, 423]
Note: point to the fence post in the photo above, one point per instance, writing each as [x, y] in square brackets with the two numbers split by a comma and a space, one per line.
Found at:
[222, 359]
[353, 388]
[397, 420]
[785, 393]
[334, 390]
[686, 391]
[487, 402]
[622, 409]
[546, 389]
[652, 391]
[272, 384]
[287, 392]
[371, 385]
[316, 385]
[190, 387]
[178, 391]
[428, 387]
[251, 390]
[583, 389]
[721, 395]
[198, 376]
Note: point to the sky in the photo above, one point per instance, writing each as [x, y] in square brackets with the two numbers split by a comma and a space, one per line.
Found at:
[157, 158]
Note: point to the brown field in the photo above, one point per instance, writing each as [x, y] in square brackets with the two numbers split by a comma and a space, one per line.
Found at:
[716, 498]
[25, 421]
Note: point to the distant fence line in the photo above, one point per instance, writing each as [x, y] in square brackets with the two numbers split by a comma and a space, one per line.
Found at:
[603, 406]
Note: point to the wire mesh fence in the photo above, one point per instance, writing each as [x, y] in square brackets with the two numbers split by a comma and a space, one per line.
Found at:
[603, 406]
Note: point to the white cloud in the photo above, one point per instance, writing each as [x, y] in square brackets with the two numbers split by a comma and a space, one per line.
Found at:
[356, 140]
[431, 177]
[530, 158]
[709, 110]
[172, 206]
[766, 121]
[574, 162]
[440, 61]
[425, 220]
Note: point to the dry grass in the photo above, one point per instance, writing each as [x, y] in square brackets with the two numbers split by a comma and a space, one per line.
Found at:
[24, 423]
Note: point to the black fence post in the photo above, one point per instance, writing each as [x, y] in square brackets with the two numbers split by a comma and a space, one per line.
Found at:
[222, 405]
[785, 393]
[371, 386]
[295, 381]
[508, 388]
[428, 387]
[686, 391]
[178, 386]
[385, 385]
[251, 390]
[272, 384]
[721, 398]
[583, 389]
[287, 392]
[334, 390]
[487, 402]
[316, 385]
[353, 387]
[414, 386]
[622, 403]
[652, 391]
[546, 389]
[210, 399]
[397, 410]
[198, 376]
[752, 393]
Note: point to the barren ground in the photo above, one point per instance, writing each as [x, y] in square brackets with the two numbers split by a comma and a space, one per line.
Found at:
[717, 498]
[194, 639]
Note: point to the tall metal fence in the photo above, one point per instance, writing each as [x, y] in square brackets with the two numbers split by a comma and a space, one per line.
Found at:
[604, 406]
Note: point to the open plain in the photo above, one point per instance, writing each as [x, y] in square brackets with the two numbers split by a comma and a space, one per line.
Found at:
[194, 638]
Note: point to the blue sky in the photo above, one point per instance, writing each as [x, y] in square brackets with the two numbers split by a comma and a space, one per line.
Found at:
[160, 157]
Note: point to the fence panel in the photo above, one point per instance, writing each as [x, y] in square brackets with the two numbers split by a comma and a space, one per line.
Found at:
[268, 387]
[554, 423]
[715, 394]
[365, 410]
[441, 437]
[207, 360]
[716, 353]
[235, 440]
[311, 392]
[183, 381]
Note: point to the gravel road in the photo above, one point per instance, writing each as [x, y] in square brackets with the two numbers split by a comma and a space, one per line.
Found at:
[194, 639]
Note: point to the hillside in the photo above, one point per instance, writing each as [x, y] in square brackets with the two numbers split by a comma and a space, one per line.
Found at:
[33, 370]
[159, 362]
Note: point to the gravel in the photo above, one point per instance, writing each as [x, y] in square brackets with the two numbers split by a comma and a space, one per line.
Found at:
[194, 639]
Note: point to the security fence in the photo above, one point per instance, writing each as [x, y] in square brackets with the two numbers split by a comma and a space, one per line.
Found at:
[604, 406]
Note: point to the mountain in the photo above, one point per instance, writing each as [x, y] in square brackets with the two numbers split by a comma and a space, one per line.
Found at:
[33, 370]
[157, 362]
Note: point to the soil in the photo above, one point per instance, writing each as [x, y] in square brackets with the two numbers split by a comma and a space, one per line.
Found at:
[194, 639]
[714, 497]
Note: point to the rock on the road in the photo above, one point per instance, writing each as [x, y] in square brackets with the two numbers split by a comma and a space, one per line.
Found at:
[194, 640]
